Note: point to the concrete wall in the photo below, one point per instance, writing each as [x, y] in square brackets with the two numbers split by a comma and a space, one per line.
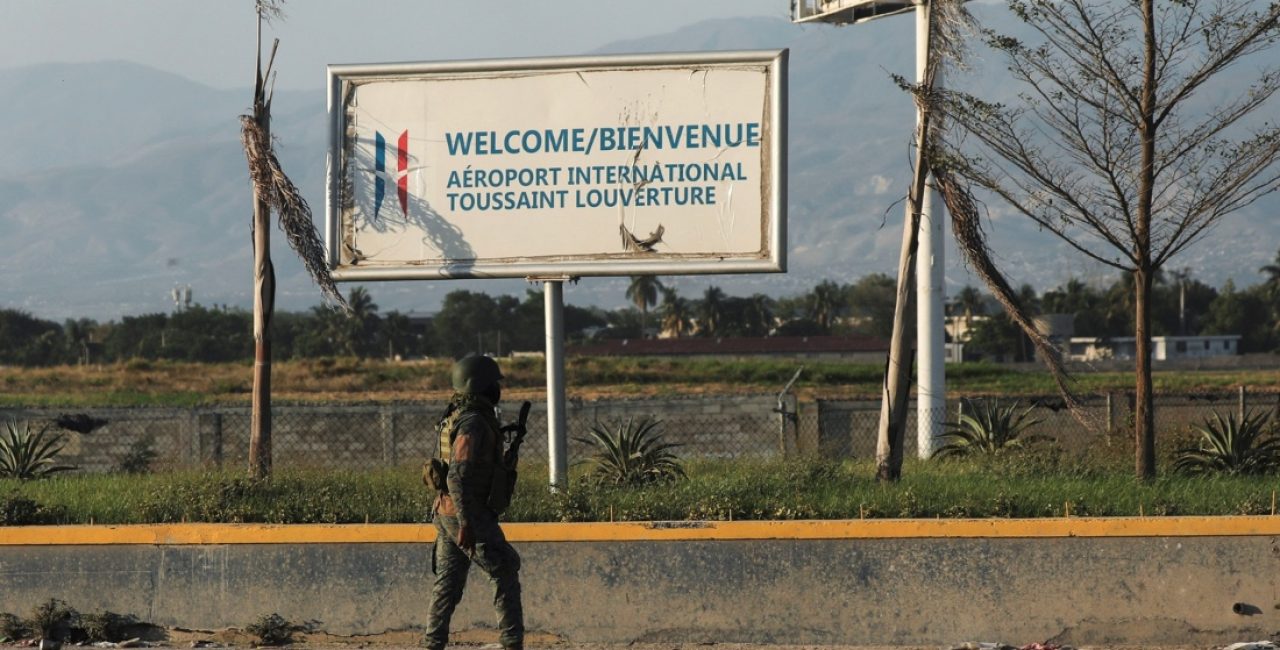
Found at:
[1118, 581]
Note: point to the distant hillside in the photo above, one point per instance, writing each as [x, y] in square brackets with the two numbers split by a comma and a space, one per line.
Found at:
[119, 181]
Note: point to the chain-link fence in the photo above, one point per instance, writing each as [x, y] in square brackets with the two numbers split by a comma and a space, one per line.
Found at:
[366, 436]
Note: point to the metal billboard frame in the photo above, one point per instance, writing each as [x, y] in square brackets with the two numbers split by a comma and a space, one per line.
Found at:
[847, 12]
[342, 77]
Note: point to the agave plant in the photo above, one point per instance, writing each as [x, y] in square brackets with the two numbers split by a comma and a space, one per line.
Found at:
[1232, 447]
[26, 455]
[986, 427]
[632, 453]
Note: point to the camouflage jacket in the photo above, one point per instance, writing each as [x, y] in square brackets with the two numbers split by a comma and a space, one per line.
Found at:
[470, 438]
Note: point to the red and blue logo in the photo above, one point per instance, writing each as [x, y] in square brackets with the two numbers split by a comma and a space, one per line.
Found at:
[380, 171]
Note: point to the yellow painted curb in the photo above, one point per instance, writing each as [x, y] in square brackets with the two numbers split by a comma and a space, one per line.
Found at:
[183, 534]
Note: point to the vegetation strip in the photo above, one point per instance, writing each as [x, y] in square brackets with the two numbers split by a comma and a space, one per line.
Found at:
[201, 534]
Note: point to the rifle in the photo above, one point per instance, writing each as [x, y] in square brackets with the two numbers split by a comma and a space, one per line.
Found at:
[504, 477]
[515, 433]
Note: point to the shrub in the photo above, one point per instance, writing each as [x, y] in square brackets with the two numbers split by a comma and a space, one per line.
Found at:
[272, 629]
[17, 510]
[632, 453]
[12, 628]
[1231, 447]
[52, 619]
[142, 452]
[104, 626]
[24, 455]
[987, 428]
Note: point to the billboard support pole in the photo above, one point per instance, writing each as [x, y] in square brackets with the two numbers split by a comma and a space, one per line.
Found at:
[557, 451]
[931, 386]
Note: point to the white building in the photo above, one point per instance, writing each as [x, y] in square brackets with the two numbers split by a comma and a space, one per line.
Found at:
[1163, 348]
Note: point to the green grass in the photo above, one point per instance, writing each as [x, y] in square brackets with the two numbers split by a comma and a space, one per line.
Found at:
[174, 384]
[1027, 485]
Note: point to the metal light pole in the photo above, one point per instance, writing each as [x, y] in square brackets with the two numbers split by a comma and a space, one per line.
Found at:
[930, 261]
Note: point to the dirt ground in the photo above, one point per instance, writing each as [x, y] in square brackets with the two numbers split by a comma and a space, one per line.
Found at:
[484, 640]
[153, 637]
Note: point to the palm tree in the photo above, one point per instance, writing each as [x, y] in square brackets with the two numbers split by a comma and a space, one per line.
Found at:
[759, 314]
[643, 292]
[824, 304]
[359, 322]
[711, 311]
[1272, 284]
[1272, 271]
[675, 313]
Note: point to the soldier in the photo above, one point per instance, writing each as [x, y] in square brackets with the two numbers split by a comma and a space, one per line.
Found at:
[466, 515]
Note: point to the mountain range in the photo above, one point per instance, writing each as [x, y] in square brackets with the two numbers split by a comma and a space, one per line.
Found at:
[120, 182]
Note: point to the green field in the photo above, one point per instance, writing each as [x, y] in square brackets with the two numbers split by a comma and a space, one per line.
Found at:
[1039, 482]
[147, 383]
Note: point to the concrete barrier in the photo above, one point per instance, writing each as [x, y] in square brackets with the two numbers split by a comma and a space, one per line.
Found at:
[1177, 580]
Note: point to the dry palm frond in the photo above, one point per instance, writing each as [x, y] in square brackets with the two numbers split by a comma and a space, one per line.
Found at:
[269, 10]
[273, 186]
[633, 244]
[966, 225]
[950, 24]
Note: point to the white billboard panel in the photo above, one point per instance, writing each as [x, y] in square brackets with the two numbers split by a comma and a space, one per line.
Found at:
[847, 12]
[558, 167]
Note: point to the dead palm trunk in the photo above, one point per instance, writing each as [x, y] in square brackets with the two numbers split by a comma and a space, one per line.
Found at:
[264, 288]
[891, 430]
[272, 190]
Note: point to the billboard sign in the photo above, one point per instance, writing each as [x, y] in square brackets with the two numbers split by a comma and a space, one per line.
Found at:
[609, 165]
[847, 12]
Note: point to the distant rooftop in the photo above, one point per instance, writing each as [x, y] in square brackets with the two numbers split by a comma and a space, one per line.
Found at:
[829, 345]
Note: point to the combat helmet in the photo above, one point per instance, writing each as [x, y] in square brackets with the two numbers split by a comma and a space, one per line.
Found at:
[474, 374]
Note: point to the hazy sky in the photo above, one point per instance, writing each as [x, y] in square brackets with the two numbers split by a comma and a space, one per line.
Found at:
[211, 41]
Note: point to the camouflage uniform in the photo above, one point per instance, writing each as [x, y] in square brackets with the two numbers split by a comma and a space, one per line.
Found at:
[471, 440]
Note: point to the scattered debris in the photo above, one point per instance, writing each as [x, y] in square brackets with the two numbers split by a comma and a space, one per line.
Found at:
[1252, 645]
[987, 645]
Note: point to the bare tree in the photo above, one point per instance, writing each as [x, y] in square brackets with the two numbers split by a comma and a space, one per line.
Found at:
[1128, 141]
[272, 190]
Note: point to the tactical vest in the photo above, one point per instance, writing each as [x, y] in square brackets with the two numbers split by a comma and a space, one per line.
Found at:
[498, 490]
[447, 429]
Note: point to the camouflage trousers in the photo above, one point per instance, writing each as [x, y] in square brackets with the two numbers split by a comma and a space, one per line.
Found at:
[450, 564]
